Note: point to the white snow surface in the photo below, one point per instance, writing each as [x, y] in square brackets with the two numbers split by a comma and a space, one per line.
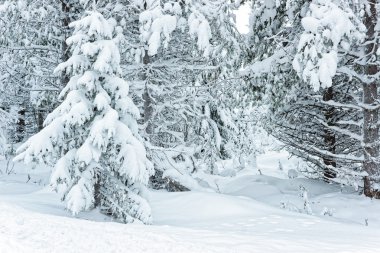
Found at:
[250, 213]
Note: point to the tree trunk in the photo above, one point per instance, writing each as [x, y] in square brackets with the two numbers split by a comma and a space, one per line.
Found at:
[148, 107]
[40, 120]
[21, 125]
[370, 110]
[65, 54]
[329, 136]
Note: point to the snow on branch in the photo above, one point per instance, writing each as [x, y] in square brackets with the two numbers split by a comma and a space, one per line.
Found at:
[329, 28]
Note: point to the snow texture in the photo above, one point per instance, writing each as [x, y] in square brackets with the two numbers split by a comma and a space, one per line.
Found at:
[254, 213]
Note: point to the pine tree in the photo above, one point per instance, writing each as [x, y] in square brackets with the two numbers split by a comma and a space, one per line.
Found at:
[32, 43]
[321, 52]
[176, 57]
[371, 163]
[92, 138]
[312, 121]
[327, 112]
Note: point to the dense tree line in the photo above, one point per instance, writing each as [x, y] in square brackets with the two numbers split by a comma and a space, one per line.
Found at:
[316, 67]
[119, 95]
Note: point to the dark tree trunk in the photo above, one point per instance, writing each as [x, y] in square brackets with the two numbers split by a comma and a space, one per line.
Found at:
[21, 125]
[40, 120]
[65, 55]
[329, 136]
[370, 110]
[148, 107]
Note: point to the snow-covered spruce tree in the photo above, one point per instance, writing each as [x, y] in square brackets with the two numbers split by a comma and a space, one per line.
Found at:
[207, 80]
[227, 54]
[272, 82]
[174, 82]
[328, 113]
[208, 84]
[32, 43]
[274, 31]
[363, 69]
[156, 77]
[331, 32]
[92, 136]
[176, 56]
[305, 120]
[159, 70]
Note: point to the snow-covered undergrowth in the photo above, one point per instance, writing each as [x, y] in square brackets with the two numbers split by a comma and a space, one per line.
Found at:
[252, 213]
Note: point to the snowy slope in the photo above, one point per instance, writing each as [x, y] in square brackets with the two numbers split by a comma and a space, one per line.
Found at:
[25, 231]
[247, 218]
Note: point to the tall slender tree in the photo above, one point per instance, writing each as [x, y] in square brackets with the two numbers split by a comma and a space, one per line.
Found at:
[371, 163]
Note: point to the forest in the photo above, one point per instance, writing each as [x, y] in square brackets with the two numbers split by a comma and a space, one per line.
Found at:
[218, 123]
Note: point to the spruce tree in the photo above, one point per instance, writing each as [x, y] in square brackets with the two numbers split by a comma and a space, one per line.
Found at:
[32, 43]
[312, 119]
[92, 137]
[319, 80]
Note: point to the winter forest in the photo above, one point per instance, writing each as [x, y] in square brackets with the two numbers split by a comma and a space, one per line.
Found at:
[190, 126]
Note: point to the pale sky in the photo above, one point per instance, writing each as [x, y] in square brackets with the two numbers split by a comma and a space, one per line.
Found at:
[242, 18]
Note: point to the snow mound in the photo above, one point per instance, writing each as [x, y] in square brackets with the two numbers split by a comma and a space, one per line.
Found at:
[190, 208]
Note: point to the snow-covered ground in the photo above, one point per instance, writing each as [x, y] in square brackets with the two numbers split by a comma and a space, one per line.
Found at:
[251, 213]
